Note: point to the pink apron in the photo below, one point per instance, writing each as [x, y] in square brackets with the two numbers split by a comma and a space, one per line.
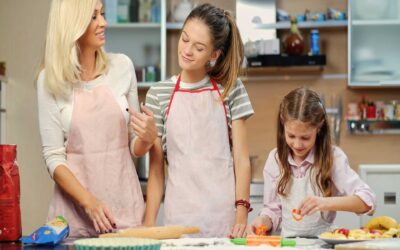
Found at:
[200, 189]
[98, 155]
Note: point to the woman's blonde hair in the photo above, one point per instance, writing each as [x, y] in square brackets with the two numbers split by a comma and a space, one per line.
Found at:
[226, 38]
[304, 105]
[68, 21]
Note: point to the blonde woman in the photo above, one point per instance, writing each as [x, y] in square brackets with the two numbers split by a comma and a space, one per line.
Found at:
[198, 113]
[87, 135]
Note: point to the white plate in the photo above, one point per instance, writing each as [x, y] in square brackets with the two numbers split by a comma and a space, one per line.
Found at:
[339, 241]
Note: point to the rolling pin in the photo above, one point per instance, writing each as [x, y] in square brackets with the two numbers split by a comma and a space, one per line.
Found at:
[159, 233]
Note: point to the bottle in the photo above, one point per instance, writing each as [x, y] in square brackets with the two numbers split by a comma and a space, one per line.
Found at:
[10, 212]
[111, 9]
[294, 43]
[123, 11]
[134, 11]
[314, 35]
[145, 11]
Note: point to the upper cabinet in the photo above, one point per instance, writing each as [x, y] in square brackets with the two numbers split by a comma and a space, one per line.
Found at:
[373, 42]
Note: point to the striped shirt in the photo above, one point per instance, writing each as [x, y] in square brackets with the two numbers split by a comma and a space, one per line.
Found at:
[237, 103]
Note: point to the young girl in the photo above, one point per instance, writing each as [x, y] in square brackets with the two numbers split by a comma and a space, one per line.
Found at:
[306, 179]
[198, 113]
[83, 94]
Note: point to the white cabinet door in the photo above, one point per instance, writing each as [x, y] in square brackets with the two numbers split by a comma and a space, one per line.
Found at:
[384, 181]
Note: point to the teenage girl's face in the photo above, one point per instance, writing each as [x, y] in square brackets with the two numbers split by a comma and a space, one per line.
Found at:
[94, 37]
[195, 46]
[300, 137]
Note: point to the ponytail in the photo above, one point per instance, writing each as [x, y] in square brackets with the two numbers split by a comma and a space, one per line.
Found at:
[226, 38]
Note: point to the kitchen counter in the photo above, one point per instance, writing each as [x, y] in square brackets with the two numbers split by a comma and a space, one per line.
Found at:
[179, 244]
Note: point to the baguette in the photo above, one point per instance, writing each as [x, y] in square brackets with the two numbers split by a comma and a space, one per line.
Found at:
[160, 233]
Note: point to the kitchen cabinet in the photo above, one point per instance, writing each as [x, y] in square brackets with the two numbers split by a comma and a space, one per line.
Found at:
[373, 41]
[384, 180]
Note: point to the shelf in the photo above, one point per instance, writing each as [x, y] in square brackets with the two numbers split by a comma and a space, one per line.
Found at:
[375, 22]
[306, 25]
[134, 25]
[286, 61]
[145, 85]
[174, 26]
[373, 126]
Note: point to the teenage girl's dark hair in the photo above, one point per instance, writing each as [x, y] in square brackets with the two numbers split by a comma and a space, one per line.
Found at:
[226, 38]
[304, 105]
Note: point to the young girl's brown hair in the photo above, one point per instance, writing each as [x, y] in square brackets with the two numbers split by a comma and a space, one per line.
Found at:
[226, 38]
[304, 105]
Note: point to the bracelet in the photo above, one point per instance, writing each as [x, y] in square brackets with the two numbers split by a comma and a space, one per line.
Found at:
[244, 203]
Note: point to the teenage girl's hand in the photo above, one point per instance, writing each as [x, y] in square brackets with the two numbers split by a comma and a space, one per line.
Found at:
[102, 219]
[260, 221]
[313, 204]
[143, 124]
[238, 231]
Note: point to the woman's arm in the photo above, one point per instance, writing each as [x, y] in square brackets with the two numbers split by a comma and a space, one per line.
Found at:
[102, 219]
[242, 174]
[155, 183]
[54, 153]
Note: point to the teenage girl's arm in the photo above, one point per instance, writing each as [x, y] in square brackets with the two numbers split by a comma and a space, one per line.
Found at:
[242, 174]
[155, 183]
[358, 196]
[144, 126]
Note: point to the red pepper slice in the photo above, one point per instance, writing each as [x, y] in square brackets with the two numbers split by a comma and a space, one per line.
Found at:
[297, 215]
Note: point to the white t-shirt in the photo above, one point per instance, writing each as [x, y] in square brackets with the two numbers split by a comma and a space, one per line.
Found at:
[55, 112]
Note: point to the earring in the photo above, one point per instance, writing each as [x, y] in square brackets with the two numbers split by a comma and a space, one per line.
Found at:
[211, 63]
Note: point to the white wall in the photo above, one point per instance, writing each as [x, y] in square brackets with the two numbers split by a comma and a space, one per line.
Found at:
[22, 35]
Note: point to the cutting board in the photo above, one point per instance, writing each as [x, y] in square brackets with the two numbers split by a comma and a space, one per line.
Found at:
[389, 244]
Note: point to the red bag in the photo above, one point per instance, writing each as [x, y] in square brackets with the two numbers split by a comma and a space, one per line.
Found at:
[10, 212]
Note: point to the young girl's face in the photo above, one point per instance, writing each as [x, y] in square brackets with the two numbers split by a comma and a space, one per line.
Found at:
[94, 35]
[300, 137]
[195, 46]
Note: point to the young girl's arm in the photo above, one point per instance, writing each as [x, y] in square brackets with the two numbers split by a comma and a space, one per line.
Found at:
[353, 195]
[271, 214]
[242, 173]
[155, 183]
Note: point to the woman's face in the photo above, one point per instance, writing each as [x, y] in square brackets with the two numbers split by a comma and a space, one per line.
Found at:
[300, 137]
[195, 46]
[94, 37]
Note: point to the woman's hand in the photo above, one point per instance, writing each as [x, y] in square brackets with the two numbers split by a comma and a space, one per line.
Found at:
[100, 215]
[313, 204]
[143, 124]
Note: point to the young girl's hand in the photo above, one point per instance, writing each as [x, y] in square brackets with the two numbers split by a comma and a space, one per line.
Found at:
[313, 204]
[259, 222]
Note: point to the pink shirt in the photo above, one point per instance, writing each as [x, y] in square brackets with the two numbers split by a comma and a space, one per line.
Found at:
[346, 182]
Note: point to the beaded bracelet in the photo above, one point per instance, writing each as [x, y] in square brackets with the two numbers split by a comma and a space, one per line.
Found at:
[244, 203]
